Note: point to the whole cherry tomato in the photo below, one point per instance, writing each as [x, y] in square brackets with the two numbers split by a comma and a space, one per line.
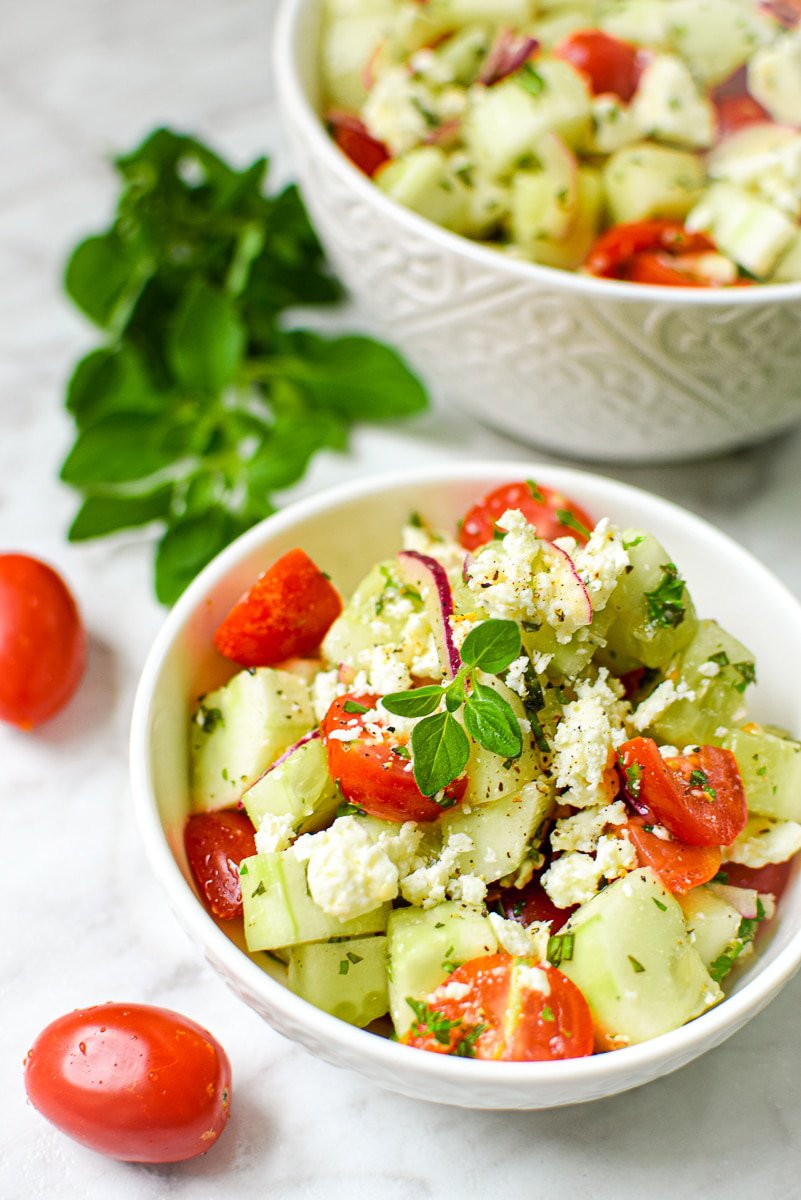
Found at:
[215, 844]
[374, 772]
[608, 64]
[504, 1008]
[131, 1081]
[286, 614]
[42, 641]
[551, 514]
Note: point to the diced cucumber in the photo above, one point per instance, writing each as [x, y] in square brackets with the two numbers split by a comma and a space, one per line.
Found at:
[347, 979]
[500, 831]
[774, 77]
[748, 229]
[712, 924]
[654, 616]
[424, 945]
[347, 46]
[788, 268]
[634, 962]
[456, 13]
[300, 788]
[554, 26]
[505, 122]
[645, 180]
[545, 201]
[279, 911]
[771, 771]
[669, 105]
[371, 617]
[490, 776]
[422, 180]
[714, 40]
[569, 659]
[715, 700]
[239, 729]
[573, 249]
[461, 56]
[642, 21]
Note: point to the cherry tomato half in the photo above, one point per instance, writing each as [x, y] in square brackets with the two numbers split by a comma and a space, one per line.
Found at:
[131, 1081]
[42, 641]
[532, 903]
[286, 614]
[617, 252]
[375, 772]
[543, 507]
[355, 141]
[699, 798]
[608, 64]
[215, 844]
[679, 866]
[511, 1010]
[735, 112]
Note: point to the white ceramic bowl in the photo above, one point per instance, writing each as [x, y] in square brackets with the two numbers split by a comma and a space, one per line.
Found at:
[589, 368]
[725, 581]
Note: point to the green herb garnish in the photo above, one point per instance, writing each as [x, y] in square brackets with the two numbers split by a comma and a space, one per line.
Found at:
[665, 604]
[529, 78]
[560, 948]
[200, 405]
[699, 779]
[636, 964]
[353, 706]
[568, 519]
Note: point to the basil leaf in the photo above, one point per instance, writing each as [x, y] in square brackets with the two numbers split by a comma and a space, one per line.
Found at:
[111, 380]
[492, 645]
[117, 449]
[490, 720]
[206, 341]
[417, 703]
[104, 277]
[440, 750]
[186, 548]
[354, 377]
[99, 515]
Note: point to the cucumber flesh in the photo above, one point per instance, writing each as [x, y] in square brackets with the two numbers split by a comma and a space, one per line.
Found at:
[240, 729]
[634, 962]
[712, 924]
[501, 831]
[347, 979]
[299, 788]
[490, 776]
[646, 180]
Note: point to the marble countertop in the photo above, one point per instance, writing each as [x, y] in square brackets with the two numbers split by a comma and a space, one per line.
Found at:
[84, 920]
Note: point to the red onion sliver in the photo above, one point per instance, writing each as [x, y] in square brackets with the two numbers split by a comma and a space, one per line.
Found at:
[507, 54]
[430, 578]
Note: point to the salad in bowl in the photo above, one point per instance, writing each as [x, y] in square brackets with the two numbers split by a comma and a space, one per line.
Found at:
[654, 141]
[502, 800]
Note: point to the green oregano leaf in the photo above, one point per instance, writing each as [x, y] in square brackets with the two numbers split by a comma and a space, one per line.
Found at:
[492, 645]
[440, 751]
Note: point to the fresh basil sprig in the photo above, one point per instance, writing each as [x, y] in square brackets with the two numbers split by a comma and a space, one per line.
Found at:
[200, 404]
[440, 747]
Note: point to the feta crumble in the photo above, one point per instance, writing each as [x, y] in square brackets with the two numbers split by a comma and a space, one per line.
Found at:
[521, 941]
[584, 740]
[274, 833]
[582, 830]
[764, 841]
[576, 877]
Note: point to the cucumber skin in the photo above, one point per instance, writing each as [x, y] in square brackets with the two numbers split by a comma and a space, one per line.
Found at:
[635, 920]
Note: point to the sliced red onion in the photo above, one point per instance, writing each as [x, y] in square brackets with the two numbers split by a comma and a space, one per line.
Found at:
[507, 54]
[572, 586]
[307, 737]
[431, 580]
[786, 12]
[466, 565]
[446, 134]
[744, 900]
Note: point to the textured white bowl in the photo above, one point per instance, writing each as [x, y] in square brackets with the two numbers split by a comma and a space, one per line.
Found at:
[725, 582]
[589, 368]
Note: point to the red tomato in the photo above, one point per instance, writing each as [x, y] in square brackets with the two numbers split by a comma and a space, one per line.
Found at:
[542, 510]
[651, 266]
[355, 141]
[42, 641]
[370, 772]
[735, 112]
[773, 878]
[131, 1081]
[679, 866]
[286, 614]
[215, 844]
[503, 1016]
[700, 799]
[532, 903]
[617, 252]
[609, 64]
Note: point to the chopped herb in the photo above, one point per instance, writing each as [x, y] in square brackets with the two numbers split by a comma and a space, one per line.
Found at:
[635, 541]
[745, 935]
[634, 778]
[762, 770]
[344, 966]
[518, 908]
[546, 1012]
[721, 877]
[567, 518]
[721, 658]
[259, 890]
[415, 520]
[400, 752]
[353, 706]
[350, 810]
[466, 1046]
[747, 673]
[450, 965]
[536, 494]
[354, 958]
[662, 907]
[209, 719]
[560, 948]
[700, 779]
[665, 605]
[428, 1020]
[638, 967]
[529, 78]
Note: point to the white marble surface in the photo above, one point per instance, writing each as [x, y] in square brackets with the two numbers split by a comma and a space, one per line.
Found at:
[83, 920]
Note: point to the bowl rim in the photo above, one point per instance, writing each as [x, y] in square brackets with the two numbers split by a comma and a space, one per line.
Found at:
[644, 1059]
[295, 101]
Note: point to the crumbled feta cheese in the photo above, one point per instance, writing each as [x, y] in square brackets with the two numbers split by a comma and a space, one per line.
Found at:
[324, 690]
[615, 856]
[440, 880]
[344, 735]
[449, 554]
[386, 669]
[274, 833]
[668, 751]
[521, 941]
[348, 873]
[601, 562]
[575, 877]
[583, 741]
[583, 829]
[774, 77]
[541, 662]
[468, 888]
[764, 841]
[533, 979]
[516, 675]
[709, 669]
[653, 707]
[462, 624]
[453, 990]
[399, 110]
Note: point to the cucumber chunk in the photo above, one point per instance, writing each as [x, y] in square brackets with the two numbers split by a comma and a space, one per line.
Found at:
[770, 767]
[279, 911]
[501, 831]
[712, 924]
[422, 180]
[375, 615]
[752, 232]
[241, 728]
[300, 788]
[634, 962]
[654, 616]
[424, 945]
[347, 979]
[645, 180]
[489, 776]
[714, 701]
